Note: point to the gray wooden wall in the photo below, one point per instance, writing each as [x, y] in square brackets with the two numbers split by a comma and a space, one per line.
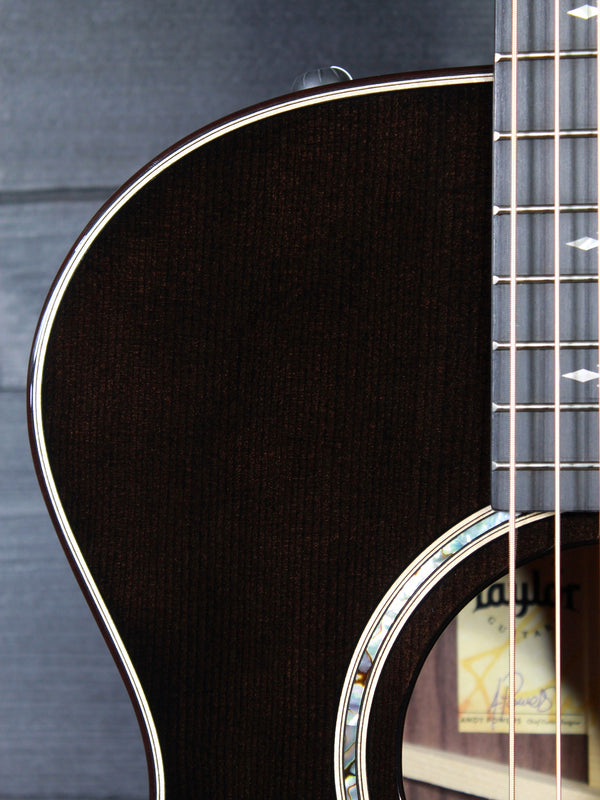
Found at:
[89, 92]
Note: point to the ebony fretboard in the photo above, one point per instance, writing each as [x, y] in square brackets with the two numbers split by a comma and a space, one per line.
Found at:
[546, 233]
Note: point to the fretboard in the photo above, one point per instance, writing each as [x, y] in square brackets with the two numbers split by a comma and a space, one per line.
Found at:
[526, 239]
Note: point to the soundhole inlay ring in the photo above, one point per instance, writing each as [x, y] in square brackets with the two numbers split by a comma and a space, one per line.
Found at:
[383, 628]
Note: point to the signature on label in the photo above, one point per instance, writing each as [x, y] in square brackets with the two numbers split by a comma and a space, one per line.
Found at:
[541, 701]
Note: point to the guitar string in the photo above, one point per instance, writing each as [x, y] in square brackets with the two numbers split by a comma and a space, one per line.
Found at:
[512, 530]
[557, 419]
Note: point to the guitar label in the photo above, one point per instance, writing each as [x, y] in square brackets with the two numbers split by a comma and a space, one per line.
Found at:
[482, 642]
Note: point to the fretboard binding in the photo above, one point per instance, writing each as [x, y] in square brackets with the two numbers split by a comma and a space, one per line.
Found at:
[544, 465]
[546, 209]
[503, 407]
[505, 279]
[583, 345]
[583, 133]
[545, 55]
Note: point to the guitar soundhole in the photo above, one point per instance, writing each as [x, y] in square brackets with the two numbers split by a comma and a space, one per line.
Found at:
[457, 711]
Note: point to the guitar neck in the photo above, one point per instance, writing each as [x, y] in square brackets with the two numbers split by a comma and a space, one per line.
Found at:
[545, 256]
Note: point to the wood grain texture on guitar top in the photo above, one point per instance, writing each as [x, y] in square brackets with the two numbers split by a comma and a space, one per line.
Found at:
[240, 414]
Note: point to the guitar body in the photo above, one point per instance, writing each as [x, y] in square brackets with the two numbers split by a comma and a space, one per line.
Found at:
[259, 389]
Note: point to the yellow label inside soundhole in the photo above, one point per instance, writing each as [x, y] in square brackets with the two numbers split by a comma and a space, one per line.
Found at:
[483, 640]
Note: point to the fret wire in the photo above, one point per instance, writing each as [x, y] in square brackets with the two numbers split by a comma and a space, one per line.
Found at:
[501, 136]
[591, 277]
[544, 55]
[545, 209]
[548, 465]
[583, 345]
[501, 407]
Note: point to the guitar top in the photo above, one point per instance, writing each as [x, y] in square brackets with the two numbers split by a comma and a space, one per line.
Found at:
[259, 389]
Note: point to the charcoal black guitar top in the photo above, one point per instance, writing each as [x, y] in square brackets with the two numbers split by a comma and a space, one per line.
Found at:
[259, 407]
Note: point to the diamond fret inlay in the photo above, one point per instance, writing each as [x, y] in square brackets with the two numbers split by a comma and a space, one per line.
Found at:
[585, 243]
[582, 375]
[584, 12]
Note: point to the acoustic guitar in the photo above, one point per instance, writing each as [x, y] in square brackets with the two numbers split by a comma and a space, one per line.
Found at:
[263, 390]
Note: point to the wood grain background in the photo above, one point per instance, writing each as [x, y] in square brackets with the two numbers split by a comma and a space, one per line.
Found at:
[89, 92]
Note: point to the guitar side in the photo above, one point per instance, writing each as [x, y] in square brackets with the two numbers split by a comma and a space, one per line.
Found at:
[259, 389]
